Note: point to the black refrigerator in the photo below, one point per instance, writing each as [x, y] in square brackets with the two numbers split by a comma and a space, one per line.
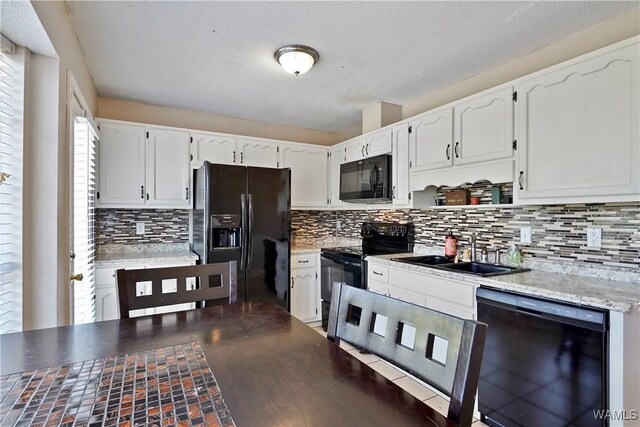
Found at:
[243, 213]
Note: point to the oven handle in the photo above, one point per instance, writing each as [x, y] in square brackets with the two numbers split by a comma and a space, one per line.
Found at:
[342, 261]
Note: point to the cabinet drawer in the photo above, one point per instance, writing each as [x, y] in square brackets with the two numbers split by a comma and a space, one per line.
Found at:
[452, 291]
[454, 311]
[378, 273]
[407, 296]
[303, 260]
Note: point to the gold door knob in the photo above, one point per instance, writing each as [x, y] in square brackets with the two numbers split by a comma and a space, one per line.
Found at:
[77, 277]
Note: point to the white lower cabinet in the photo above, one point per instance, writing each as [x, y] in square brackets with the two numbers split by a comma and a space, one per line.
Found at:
[305, 287]
[107, 307]
[421, 288]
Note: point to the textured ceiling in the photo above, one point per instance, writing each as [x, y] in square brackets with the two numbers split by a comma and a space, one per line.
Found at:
[218, 56]
[20, 24]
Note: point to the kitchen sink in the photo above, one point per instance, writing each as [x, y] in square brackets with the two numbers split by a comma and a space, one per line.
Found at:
[483, 269]
[476, 268]
[425, 260]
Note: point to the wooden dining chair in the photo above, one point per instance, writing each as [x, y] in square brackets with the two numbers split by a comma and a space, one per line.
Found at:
[204, 284]
[442, 350]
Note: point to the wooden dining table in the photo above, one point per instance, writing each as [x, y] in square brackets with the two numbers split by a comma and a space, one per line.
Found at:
[272, 369]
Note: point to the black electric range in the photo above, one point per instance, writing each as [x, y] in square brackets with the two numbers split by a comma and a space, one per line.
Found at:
[346, 264]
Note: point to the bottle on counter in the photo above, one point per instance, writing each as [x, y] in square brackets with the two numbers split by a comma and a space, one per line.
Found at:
[450, 245]
[515, 256]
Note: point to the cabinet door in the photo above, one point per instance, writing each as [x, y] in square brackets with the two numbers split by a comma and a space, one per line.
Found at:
[354, 149]
[213, 148]
[106, 303]
[378, 143]
[304, 299]
[122, 165]
[407, 296]
[432, 141]
[378, 287]
[254, 152]
[308, 174]
[578, 130]
[400, 172]
[168, 168]
[484, 128]
[336, 157]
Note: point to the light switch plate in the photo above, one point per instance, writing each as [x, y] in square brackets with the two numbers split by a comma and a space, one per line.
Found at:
[594, 238]
[139, 227]
[525, 234]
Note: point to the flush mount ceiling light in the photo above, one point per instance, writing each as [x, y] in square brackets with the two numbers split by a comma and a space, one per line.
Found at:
[296, 58]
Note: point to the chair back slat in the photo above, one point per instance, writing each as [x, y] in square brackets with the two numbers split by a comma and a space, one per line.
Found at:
[204, 283]
[443, 350]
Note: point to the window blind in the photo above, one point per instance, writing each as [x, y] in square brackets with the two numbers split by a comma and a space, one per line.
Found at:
[11, 148]
[84, 221]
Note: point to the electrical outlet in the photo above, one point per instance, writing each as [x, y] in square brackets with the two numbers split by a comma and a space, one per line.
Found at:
[338, 225]
[139, 227]
[594, 238]
[525, 234]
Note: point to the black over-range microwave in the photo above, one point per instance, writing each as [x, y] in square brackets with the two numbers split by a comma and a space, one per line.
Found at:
[367, 180]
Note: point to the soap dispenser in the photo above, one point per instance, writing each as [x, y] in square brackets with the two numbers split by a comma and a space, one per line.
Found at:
[515, 256]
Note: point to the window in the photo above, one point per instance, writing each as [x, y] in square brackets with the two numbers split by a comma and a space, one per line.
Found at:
[11, 143]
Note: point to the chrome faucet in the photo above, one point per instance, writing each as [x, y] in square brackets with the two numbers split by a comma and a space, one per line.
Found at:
[498, 252]
[473, 247]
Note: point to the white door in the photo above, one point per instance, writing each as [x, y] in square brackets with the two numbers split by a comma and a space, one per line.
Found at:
[335, 160]
[304, 294]
[484, 127]
[82, 142]
[378, 143]
[354, 149]
[214, 148]
[254, 152]
[432, 141]
[400, 170]
[308, 174]
[122, 165]
[168, 168]
[578, 130]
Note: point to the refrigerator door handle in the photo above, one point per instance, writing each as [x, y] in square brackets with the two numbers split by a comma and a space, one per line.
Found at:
[250, 237]
[244, 231]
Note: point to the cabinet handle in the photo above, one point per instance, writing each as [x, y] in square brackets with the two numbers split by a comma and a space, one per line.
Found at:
[520, 180]
[186, 193]
[447, 151]
[303, 261]
[292, 283]
[147, 196]
[376, 273]
[234, 157]
[242, 157]
[366, 149]
[142, 191]
[393, 192]
[362, 151]
[455, 149]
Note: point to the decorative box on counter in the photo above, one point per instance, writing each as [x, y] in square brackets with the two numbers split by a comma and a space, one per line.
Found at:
[457, 197]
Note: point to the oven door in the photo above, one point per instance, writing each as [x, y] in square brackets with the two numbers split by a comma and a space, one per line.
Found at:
[341, 270]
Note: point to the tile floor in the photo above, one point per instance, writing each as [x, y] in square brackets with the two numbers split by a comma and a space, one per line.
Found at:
[409, 383]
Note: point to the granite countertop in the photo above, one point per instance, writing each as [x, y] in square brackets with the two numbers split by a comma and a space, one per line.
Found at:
[623, 296]
[308, 245]
[135, 254]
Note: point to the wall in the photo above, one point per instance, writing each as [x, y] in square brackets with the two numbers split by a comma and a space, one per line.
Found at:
[144, 113]
[47, 169]
[558, 230]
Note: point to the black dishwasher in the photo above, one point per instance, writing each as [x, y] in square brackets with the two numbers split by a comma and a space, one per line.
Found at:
[544, 363]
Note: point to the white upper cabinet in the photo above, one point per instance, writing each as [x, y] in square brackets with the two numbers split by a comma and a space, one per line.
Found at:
[400, 168]
[378, 142]
[484, 127]
[578, 129]
[354, 149]
[336, 158]
[168, 168]
[121, 152]
[215, 148]
[256, 152]
[432, 140]
[143, 166]
[308, 165]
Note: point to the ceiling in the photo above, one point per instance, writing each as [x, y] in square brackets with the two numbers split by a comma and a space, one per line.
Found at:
[217, 57]
[21, 25]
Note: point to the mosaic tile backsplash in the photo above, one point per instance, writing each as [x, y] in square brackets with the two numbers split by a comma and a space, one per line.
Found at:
[161, 226]
[559, 231]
